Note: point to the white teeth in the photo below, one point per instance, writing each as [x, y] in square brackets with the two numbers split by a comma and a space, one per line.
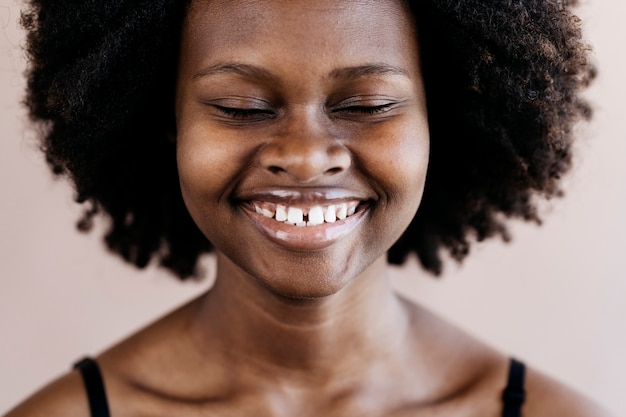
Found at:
[281, 213]
[303, 216]
[295, 215]
[342, 211]
[316, 216]
[264, 211]
[330, 216]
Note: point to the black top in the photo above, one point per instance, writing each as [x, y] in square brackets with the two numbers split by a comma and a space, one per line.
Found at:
[94, 385]
[512, 397]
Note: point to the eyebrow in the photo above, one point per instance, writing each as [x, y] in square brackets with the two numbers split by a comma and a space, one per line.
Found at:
[245, 70]
[252, 71]
[366, 70]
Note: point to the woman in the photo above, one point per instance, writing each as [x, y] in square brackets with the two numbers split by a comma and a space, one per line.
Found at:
[303, 137]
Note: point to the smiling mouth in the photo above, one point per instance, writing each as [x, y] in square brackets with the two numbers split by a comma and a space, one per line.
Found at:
[305, 222]
[306, 216]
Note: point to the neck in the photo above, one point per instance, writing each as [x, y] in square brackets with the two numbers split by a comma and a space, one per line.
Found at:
[364, 321]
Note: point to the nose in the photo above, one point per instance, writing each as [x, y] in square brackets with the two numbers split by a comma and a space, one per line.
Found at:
[306, 151]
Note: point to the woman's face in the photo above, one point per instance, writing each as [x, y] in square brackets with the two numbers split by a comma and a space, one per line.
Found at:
[302, 140]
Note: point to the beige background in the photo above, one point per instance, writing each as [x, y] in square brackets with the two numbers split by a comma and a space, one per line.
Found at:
[554, 297]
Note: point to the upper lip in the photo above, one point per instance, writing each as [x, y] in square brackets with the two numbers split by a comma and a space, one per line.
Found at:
[318, 195]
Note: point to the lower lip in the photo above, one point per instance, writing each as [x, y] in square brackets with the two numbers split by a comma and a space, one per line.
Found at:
[306, 238]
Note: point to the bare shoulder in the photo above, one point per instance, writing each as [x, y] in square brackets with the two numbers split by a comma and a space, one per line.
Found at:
[64, 397]
[548, 397]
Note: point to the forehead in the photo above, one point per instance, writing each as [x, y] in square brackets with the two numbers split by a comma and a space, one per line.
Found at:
[306, 30]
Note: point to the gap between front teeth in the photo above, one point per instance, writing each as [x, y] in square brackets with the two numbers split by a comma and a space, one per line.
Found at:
[315, 216]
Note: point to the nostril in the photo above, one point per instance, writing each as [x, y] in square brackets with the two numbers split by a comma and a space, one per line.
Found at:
[333, 171]
[275, 169]
[304, 160]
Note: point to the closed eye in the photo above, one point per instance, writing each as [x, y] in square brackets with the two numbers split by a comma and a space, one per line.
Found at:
[244, 113]
[365, 109]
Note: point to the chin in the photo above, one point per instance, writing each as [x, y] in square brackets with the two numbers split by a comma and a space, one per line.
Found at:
[308, 277]
[310, 290]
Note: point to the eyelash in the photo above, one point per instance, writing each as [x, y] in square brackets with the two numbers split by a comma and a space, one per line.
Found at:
[366, 109]
[260, 114]
[237, 113]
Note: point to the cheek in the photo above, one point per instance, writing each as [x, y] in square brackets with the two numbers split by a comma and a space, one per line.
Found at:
[205, 168]
[398, 165]
[398, 159]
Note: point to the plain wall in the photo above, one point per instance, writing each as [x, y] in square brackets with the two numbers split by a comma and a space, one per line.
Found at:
[554, 297]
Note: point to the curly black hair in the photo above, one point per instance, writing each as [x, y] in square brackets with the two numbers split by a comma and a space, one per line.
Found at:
[503, 83]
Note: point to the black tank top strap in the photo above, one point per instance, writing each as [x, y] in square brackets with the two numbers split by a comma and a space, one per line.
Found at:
[514, 394]
[94, 385]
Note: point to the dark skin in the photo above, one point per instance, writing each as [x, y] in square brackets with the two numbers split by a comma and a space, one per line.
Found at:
[302, 104]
